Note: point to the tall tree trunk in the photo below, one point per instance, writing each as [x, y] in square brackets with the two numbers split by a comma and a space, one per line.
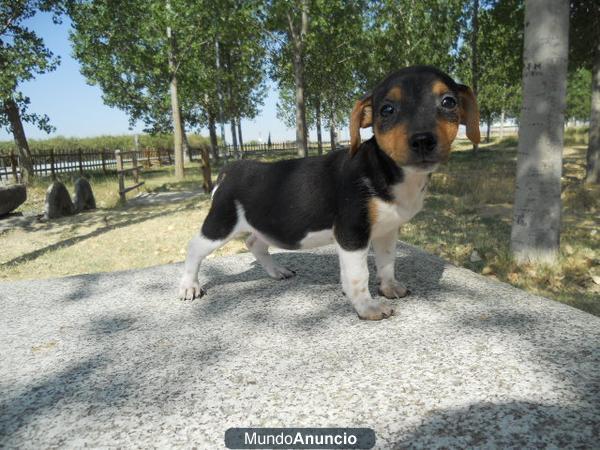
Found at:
[502, 119]
[220, 92]
[489, 128]
[319, 135]
[234, 139]
[239, 131]
[11, 109]
[298, 39]
[536, 217]
[332, 136]
[593, 153]
[475, 53]
[187, 150]
[175, 108]
[212, 131]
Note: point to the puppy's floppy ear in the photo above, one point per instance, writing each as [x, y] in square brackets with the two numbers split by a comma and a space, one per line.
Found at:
[361, 117]
[469, 112]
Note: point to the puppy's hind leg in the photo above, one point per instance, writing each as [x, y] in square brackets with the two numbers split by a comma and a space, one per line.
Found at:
[260, 250]
[219, 227]
[199, 248]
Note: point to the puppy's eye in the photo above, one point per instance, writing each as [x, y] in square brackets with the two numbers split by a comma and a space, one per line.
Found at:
[386, 110]
[449, 102]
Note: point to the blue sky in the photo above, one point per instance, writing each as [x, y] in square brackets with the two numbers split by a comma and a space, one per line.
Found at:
[76, 109]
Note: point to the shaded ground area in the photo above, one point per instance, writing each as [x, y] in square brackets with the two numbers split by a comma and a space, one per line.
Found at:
[114, 360]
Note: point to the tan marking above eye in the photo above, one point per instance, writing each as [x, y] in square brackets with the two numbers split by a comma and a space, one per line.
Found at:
[439, 88]
[394, 93]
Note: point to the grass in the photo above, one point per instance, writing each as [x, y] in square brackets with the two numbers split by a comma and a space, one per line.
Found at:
[469, 209]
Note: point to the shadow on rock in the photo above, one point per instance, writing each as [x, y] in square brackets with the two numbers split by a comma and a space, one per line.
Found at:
[506, 425]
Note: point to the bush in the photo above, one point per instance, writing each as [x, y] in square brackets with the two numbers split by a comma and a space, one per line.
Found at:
[122, 142]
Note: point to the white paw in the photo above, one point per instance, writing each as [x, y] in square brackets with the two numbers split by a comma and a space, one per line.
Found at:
[393, 289]
[280, 272]
[190, 289]
[373, 310]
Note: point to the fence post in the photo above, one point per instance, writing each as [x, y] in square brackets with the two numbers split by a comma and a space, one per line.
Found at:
[80, 156]
[14, 164]
[52, 170]
[134, 160]
[119, 160]
[103, 154]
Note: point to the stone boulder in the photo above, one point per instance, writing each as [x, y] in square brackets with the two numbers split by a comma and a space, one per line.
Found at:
[84, 197]
[11, 197]
[58, 202]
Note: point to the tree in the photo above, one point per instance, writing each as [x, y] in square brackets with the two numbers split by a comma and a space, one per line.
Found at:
[585, 53]
[169, 63]
[288, 20]
[131, 50]
[334, 51]
[499, 58]
[22, 56]
[536, 221]
[406, 32]
[500, 62]
[475, 55]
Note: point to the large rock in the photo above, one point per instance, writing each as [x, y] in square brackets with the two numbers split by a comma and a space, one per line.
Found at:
[11, 197]
[58, 202]
[115, 360]
[84, 196]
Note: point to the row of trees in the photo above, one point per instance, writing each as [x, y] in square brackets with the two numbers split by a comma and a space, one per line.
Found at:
[177, 65]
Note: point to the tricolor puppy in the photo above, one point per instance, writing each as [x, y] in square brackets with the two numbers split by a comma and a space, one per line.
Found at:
[352, 198]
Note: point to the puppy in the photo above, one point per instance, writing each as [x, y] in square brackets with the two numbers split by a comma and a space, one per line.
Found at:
[352, 198]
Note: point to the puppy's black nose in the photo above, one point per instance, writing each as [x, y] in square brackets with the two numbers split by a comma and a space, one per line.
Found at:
[422, 143]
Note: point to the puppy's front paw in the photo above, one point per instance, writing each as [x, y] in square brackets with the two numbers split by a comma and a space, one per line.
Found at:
[189, 290]
[374, 310]
[393, 289]
[280, 272]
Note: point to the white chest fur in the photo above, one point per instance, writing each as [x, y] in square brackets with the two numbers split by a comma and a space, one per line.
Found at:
[407, 201]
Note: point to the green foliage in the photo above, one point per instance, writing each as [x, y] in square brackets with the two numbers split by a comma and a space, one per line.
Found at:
[584, 32]
[332, 59]
[500, 51]
[123, 48]
[23, 55]
[401, 33]
[122, 142]
[579, 96]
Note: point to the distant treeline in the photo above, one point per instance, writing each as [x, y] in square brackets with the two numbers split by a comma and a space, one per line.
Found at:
[117, 142]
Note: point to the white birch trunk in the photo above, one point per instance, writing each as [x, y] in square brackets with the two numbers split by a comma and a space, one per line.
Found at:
[175, 109]
[537, 211]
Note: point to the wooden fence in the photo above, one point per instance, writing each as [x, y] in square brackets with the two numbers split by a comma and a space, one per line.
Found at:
[134, 170]
[52, 162]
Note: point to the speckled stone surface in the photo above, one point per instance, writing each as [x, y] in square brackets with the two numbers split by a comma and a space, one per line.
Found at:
[115, 360]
